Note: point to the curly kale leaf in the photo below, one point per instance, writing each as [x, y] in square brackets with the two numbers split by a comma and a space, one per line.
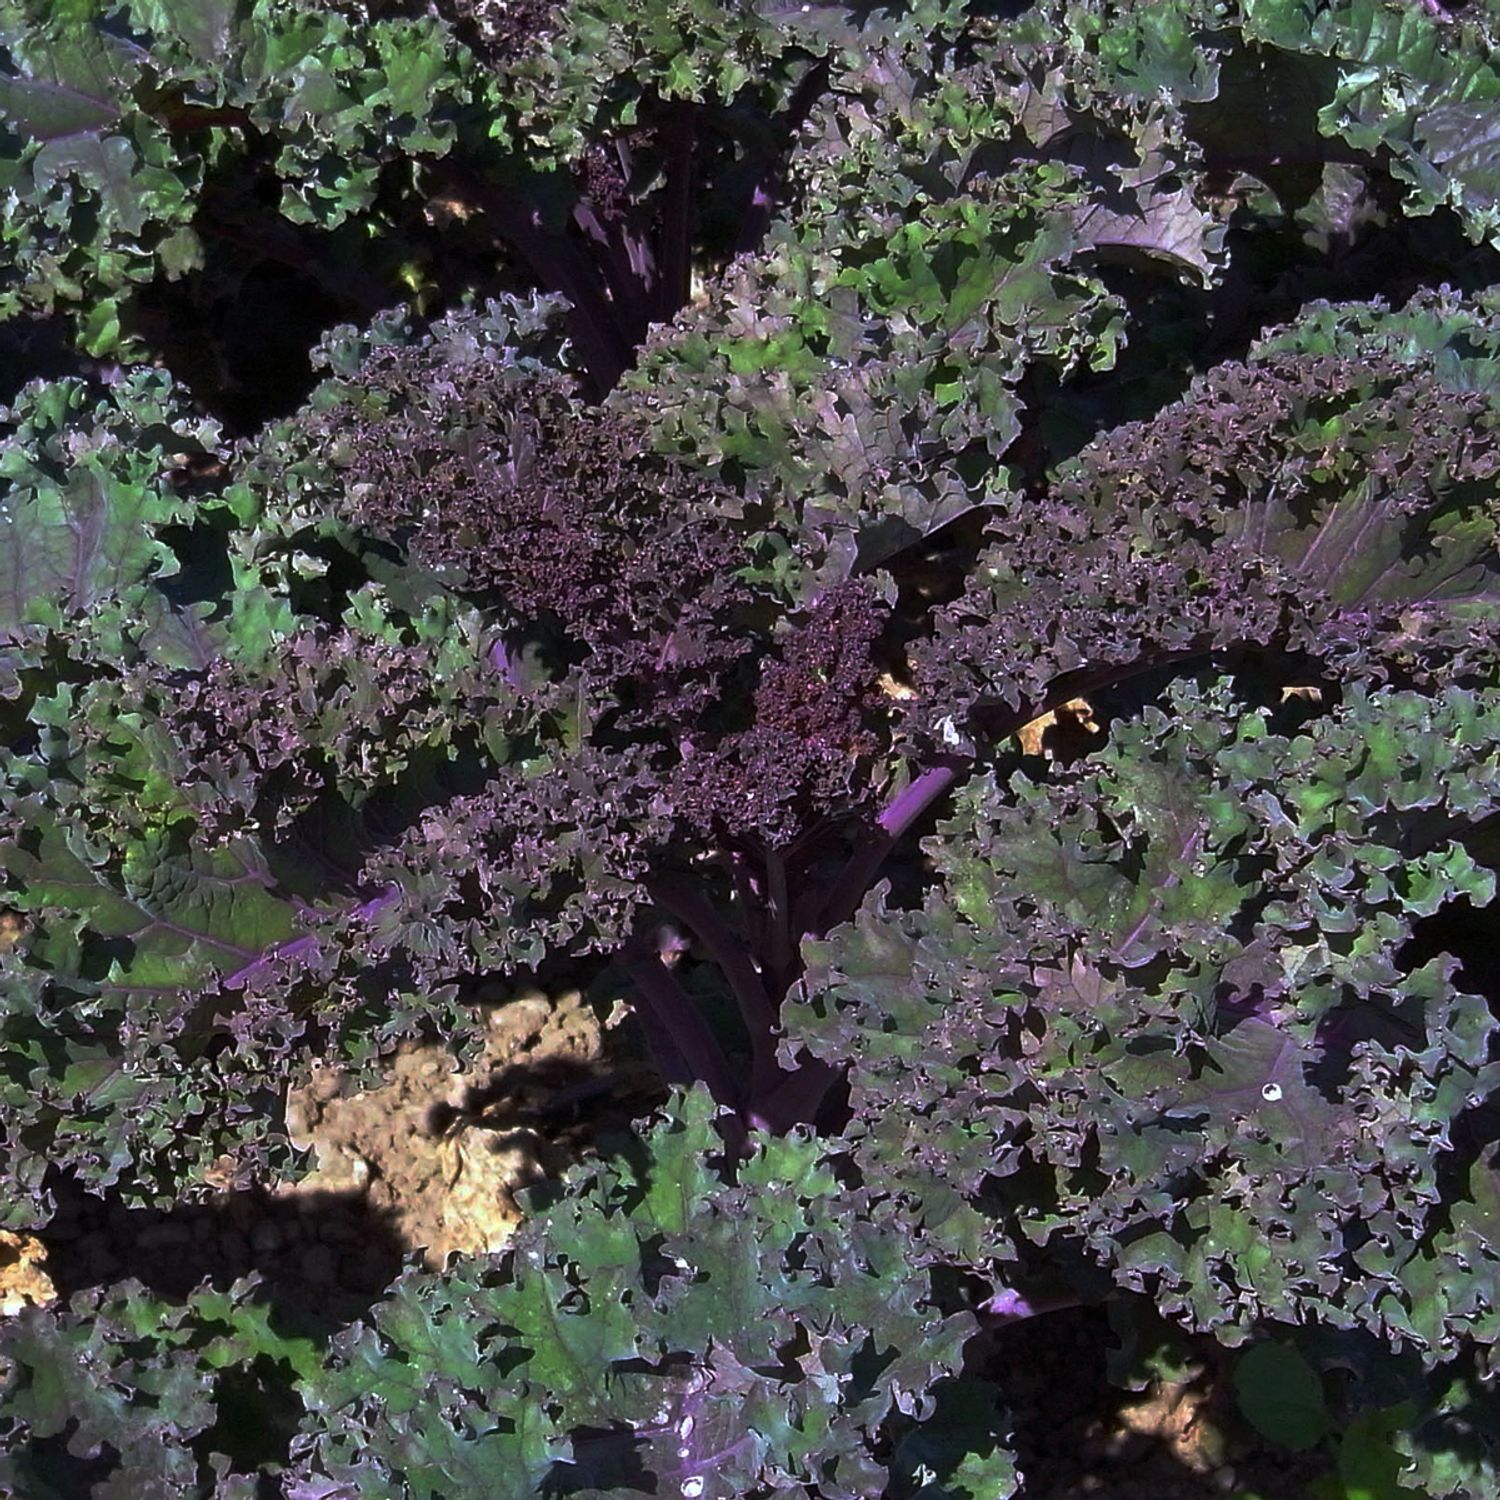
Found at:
[660, 1327]
[809, 748]
[1340, 508]
[1176, 979]
[501, 482]
[85, 499]
[548, 858]
[860, 373]
[138, 1388]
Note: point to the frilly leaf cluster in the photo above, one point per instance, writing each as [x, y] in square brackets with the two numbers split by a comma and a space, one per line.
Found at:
[965, 386]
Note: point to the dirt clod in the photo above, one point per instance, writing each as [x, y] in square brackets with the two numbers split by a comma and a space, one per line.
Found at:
[445, 1153]
[23, 1281]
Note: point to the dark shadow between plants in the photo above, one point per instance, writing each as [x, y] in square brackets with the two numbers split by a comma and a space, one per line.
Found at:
[237, 331]
[1272, 275]
[325, 1257]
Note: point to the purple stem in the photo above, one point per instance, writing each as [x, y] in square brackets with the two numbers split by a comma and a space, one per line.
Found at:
[629, 270]
[762, 1016]
[796, 1098]
[765, 192]
[305, 948]
[665, 1052]
[848, 890]
[676, 1030]
[677, 213]
[1011, 1306]
[781, 953]
[749, 893]
[516, 218]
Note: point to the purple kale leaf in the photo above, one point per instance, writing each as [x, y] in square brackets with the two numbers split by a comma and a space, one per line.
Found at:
[808, 750]
[551, 513]
[1335, 507]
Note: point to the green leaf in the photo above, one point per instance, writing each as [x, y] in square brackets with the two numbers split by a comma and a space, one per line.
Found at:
[174, 920]
[1281, 1396]
[83, 497]
[644, 1326]
[73, 85]
[205, 27]
[1369, 1466]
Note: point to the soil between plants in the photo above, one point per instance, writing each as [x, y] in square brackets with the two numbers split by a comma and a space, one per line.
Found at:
[425, 1166]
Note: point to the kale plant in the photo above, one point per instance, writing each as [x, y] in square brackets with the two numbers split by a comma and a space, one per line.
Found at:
[946, 558]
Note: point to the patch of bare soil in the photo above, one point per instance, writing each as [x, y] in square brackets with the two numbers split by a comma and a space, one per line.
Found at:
[426, 1164]
[1078, 1437]
[444, 1153]
[23, 1278]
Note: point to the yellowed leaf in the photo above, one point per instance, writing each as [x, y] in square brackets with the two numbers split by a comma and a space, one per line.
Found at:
[892, 687]
[23, 1282]
[1077, 713]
